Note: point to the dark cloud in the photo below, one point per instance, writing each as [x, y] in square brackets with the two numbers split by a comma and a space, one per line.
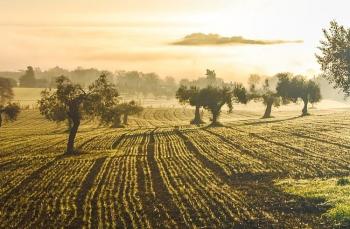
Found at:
[216, 39]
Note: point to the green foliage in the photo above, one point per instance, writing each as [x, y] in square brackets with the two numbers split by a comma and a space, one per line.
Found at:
[9, 112]
[335, 56]
[265, 93]
[189, 95]
[51, 108]
[213, 98]
[343, 181]
[314, 92]
[6, 92]
[240, 94]
[292, 88]
[71, 102]
[112, 114]
[130, 108]
[57, 105]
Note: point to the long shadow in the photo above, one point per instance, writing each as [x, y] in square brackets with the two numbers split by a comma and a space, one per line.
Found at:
[35, 175]
[269, 121]
[250, 152]
[162, 194]
[261, 195]
[84, 190]
[320, 140]
[118, 141]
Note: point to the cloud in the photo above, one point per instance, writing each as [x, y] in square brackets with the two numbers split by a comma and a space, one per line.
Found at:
[216, 39]
[132, 56]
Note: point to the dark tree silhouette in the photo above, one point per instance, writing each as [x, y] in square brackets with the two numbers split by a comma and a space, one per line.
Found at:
[214, 98]
[6, 92]
[127, 109]
[28, 79]
[71, 102]
[9, 112]
[191, 96]
[264, 93]
[113, 115]
[335, 56]
[292, 88]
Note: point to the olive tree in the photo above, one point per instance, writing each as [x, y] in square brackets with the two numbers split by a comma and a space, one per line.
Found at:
[127, 109]
[263, 92]
[113, 115]
[6, 92]
[335, 56]
[8, 111]
[191, 95]
[214, 98]
[71, 102]
[292, 88]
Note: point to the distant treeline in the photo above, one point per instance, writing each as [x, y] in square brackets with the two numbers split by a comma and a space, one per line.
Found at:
[128, 82]
[131, 82]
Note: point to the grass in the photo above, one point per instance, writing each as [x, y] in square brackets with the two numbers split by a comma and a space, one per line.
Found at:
[335, 192]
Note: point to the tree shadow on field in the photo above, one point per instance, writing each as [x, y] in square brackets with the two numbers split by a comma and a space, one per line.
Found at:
[269, 206]
[276, 208]
[269, 120]
[86, 186]
[33, 176]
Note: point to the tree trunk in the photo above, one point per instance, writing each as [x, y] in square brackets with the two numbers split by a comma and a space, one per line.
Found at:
[268, 110]
[0, 118]
[304, 111]
[69, 124]
[197, 116]
[117, 122]
[215, 117]
[72, 133]
[125, 119]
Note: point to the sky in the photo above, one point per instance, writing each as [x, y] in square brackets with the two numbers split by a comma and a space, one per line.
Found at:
[147, 35]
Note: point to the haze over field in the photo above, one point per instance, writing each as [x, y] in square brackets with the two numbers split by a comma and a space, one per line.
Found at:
[134, 35]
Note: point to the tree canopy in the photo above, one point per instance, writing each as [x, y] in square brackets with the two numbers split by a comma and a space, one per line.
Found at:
[264, 92]
[212, 99]
[292, 88]
[8, 110]
[335, 56]
[6, 92]
[70, 102]
[191, 96]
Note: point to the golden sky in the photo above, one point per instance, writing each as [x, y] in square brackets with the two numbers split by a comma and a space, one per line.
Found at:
[137, 35]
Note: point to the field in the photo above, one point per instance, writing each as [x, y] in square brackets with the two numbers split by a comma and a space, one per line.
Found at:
[161, 172]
